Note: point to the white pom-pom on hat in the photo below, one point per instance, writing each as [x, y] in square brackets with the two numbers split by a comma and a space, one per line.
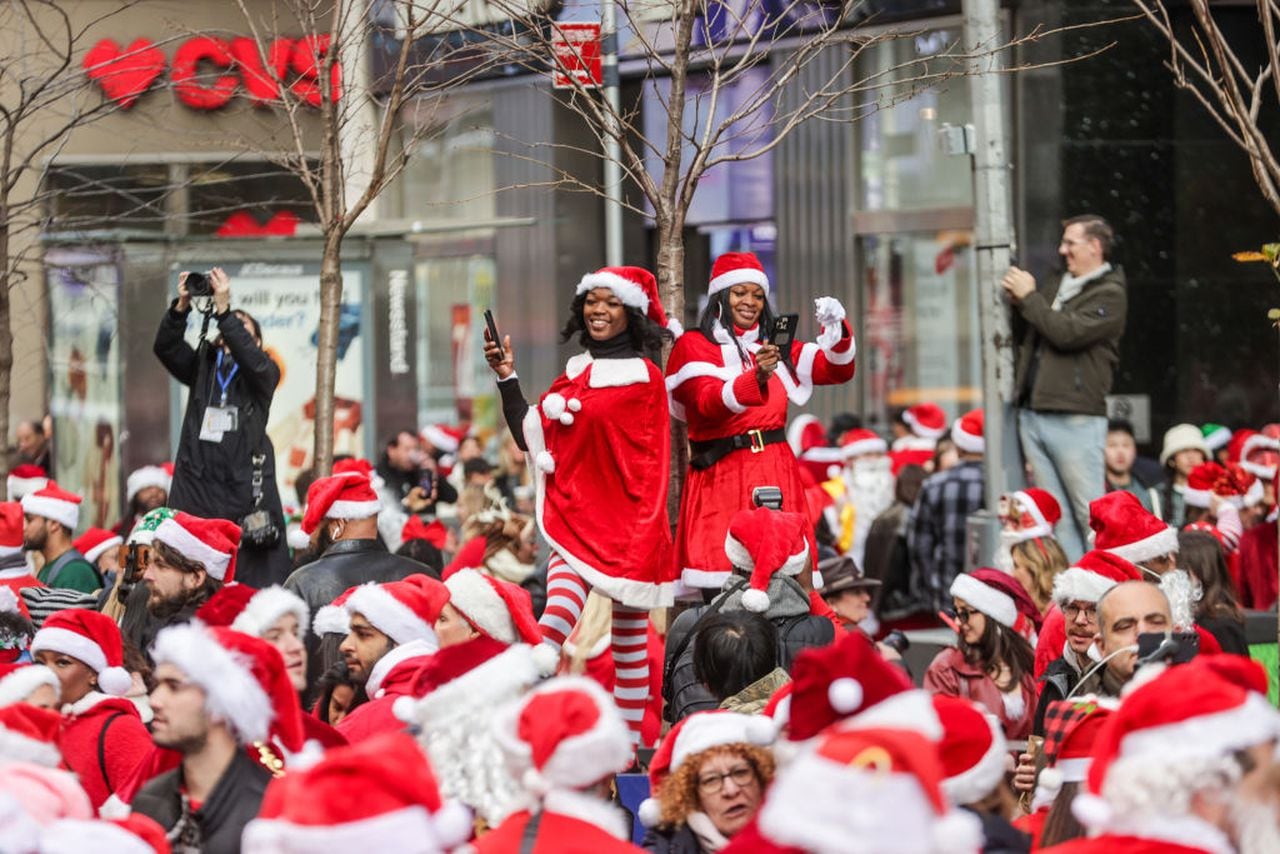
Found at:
[1049, 783]
[115, 681]
[298, 539]
[403, 708]
[534, 783]
[845, 695]
[545, 659]
[453, 823]
[1091, 810]
[650, 812]
[762, 730]
[958, 832]
[756, 601]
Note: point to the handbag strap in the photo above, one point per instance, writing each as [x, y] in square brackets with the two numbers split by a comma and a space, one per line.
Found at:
[529, 839]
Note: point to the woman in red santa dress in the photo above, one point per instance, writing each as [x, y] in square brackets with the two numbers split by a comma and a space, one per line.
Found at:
[600, 441]
[732, 386]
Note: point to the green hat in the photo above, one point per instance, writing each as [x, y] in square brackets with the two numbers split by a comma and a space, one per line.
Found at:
[145, 531]
[1215, 436]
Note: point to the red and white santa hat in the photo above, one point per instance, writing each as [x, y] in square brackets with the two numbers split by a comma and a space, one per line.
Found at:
[1091, 576]
[93, 639]
[1001, 597]
[882, 787]
[1122, 526]
[146, 477]
[808, 441]
[25, 479]
[19, 681]
[54, 502]
[252, 611]
[30, 734]
[243, 677]
[967, 432]
[404, 610]
[333, 619]
[1068, 745]
[1202, 482]
[1038, 513]
[926, 420]
[95, 542]
[737, 268]
[360, 467]
[339, 496]
[859, 441]
[764, 541]
[377, 795]
[804, 432]
[212, 543]
[636, 287]
[11, 524]
[972, 749]
[565, 734]
[500, 610]
[133, 834]
[1257, 454]
[445, 437]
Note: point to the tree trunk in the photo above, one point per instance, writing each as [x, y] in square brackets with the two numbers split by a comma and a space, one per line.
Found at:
[327, 349]
[670, 275]
[6, 338]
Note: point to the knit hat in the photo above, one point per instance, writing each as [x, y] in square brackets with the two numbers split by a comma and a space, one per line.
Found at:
[1203, 481]
[1071, 730]
[444, 437]
[1038, 513]
[737, 268]
[1123, 527]
[926, 420]
[834, 682]
[880, 787]
[1091, 576]
[565, 734]
[404, 610]
[144, 532]
[148, 476]
[54, 502]
[19, 681]
[30, 734]
[333, 619]
[967, 432]
[252, 611]
[435, 532]
[25, 479]
[212, 543]
[635, 286]
[95, 542]
[1000, 597]
[1183, 437]
[380, 794]
[860, 441]
[134, 834]
[764, 541]
[11, 525]
[339, 496]
[243, 677]
[500, 610]
[972, 749]
[1216, 436]
[93, 639]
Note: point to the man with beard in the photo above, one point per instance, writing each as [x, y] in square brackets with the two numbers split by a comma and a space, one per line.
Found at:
[1186, 765]
[861, 492]
[191, 558]
[50, 516]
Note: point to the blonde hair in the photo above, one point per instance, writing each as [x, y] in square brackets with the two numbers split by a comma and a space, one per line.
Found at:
[1044, 563]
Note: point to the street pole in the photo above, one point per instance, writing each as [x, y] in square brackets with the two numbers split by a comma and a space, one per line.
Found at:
[612, 151]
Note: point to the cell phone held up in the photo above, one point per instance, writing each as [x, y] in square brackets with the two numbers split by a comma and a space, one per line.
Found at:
[784, 332]
[492, 326]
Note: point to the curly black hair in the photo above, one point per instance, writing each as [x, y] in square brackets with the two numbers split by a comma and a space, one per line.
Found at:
[646, 336]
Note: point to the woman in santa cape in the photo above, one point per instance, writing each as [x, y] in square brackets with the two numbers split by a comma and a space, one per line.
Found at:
[732, 386]
[600, 440]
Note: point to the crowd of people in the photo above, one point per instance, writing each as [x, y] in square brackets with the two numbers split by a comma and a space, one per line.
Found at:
[499, 644]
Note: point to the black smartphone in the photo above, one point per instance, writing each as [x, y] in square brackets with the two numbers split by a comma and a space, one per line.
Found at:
[784, 332]
[767, 496]
[427, 482]
[492, 327]
[1172, 647]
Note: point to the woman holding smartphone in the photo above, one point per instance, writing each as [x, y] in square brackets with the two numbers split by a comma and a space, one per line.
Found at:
[599, 444]
[733, 385]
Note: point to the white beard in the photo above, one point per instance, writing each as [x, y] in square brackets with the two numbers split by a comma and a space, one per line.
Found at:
[871, 486]
[1183, 592]
[1255, 826]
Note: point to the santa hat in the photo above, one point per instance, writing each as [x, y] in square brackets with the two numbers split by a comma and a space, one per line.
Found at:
[967, 432]
[926, 420]
[1091, 576]
[146, 477]
[1205, 709]
[1203, 482]
[1258, 455]
[635, 287]
[333, 619]
[565, 734]
[404, 610]
[92, 638]
[30, 734]
[1040, 513]
[1240, 488]
[764, 541]
[358, 466]
[95, 542]
[692, 735]
[212, 543]
[1071, 730]
[972, 749]
[54, 502]
[500, 610]
[860, 441]
[445, 437]
[838, 681]
[134, 834]
[377, 795]
[252, 611]
[339, 496]
[144, 532]
[243, 677]
[19, 681]
[1000, 597]
[11, 525]
[1216, 436]
[435, 532]
[25, 479]
[737, 268]
[1123, 527]
[805, 432]
[881, 787]
[45, 795]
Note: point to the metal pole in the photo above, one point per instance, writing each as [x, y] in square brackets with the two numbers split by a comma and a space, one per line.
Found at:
[612, 151]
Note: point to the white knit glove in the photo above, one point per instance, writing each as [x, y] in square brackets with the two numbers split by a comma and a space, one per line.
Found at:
[830, 315]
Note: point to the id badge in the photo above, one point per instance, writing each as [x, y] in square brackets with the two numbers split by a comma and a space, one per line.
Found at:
[217, 421]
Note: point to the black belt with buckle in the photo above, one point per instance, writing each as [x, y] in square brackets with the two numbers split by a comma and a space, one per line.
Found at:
[703, 455]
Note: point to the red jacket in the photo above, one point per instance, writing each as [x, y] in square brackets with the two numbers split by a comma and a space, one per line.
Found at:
[378, 715]
[88, 752]
[1259, 580]
[952, 676]
[1117, 844]
[569, 824]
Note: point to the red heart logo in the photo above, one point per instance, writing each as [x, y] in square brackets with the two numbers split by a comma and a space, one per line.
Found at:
[124, 75]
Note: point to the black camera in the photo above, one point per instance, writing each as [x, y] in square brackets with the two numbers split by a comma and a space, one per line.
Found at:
[198, 285]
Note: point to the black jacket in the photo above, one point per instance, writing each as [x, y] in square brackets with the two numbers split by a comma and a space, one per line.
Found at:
[220, 821]
[680, 840]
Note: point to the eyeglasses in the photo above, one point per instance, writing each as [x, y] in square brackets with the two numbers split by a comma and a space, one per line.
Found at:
[963, 614]
[1072, 611]
[742, 776]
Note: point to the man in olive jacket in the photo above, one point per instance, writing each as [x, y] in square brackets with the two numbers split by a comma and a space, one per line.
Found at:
[1066, 360]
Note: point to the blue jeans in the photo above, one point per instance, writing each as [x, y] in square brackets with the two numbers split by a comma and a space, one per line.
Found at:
[1065, 455]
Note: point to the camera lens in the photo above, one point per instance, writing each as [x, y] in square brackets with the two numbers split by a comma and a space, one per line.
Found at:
[198, 285]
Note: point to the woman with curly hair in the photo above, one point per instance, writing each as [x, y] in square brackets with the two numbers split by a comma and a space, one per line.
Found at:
[708, 779]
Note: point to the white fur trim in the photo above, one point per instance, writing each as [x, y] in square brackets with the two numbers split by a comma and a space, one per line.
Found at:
[268, 605]
[693, 370]
[991, 602]
[232, 694]
[1196, 497]
[703, 732]
[591, 810]
[331, 619]
[171, 532]
[393, 659]
[481, 604]
[931, 434]
[1252, 722]
[740, 276]
[101, 548]
[704, 579]
[19, 685]
[730, 398]
[70, 643]
[795, 430]
[1184, 831]
[439, 438]
[911, 710]
[1258, 470]
[74, 836]
[1029, 506]
[974, 784]
[64, 512]
[411, 828]
[967, 442]
[830, 341]
[16, 747]
[353, 509]
[615, 373]
[737, 554]
[1158, 544]
[1074, 770]
[389, 615]
[626, 290]
[20, 487]
[146, 477]
[864, 446]
[1076, 584]
[84, 704]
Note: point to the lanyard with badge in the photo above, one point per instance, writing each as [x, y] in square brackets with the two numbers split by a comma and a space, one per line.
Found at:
[222, 418]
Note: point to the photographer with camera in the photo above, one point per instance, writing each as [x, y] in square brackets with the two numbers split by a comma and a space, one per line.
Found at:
[225, 465]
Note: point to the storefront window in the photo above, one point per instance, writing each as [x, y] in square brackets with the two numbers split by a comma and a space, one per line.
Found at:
[454, 381]
[450, 172]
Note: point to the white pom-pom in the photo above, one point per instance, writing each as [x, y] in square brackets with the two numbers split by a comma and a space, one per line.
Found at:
[845, 695]
[566, 418]
[762, 730]
[834, 470]
[311, 753]
[298, 539]
[756, 601]
[534, 783]
[545, 462]
[546, 659]
[1049, 783]
[676, 327]
[8, 601]
[1091, 810]
[650, 812]
[115, 681]
[553, 405]
[453, 824]
[574, 405]
[404, 708]
[957, 832]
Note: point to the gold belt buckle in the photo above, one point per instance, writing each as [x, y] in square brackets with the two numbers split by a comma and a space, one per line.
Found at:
[757, 441]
